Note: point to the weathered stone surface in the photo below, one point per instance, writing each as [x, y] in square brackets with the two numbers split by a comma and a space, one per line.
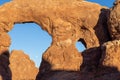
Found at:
[99, 63]
[67, 21]
[22, 68]
[114, 21]
[5, 72]
[91, 59]
[67, 75]
[4, 42]
[111, 54]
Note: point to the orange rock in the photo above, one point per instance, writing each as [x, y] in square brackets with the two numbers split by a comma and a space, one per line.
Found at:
[111, 54]
[67, 21]
[114, 23]
[22, 67]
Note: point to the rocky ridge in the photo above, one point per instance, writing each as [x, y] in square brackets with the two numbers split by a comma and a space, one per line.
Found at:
[67, 21]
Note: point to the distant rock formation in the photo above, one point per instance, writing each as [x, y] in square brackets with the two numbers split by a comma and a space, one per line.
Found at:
[67, 21]
[22, 67]
[17, 66]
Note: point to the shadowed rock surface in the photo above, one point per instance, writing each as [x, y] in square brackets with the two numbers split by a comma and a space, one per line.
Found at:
[5, 72]
[67, 21]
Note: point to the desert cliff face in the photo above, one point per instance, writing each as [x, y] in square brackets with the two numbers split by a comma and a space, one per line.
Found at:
[67, 21]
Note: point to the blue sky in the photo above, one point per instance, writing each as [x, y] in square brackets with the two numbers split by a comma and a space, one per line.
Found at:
[108, 3]
[30, 38]
[34, 41]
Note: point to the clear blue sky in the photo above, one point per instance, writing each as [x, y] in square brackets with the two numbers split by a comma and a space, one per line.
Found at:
[108, 3]
[30, 38]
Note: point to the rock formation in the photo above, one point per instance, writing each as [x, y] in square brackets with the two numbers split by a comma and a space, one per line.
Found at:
[111, 54]
[22, 68]
[68, 21]
[17, 66]
[114, 21]
[5, 72]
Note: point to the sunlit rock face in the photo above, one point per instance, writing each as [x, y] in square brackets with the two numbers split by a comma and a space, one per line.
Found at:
[114, 21]
[111, 54]
[67, 21]
[21, 66]
[5, 72]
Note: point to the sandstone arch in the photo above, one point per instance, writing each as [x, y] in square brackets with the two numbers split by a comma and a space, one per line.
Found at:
[66, 21]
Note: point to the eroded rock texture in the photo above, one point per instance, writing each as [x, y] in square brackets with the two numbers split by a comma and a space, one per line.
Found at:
[5, 72]
[67, 21]
[111, 54]
[114, 21]
[22, 68]
[17, 66]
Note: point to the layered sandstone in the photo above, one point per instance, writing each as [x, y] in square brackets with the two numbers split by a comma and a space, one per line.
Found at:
[67, 21]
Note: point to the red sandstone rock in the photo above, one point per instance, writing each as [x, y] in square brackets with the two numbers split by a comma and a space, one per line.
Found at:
[4, 42]
[114, 21]
[111, 54]
[91, 59]
[67, 21]
[22, 68]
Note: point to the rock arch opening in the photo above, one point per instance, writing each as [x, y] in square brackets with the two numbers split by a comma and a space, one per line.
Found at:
[81, 45]
[30, 38]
